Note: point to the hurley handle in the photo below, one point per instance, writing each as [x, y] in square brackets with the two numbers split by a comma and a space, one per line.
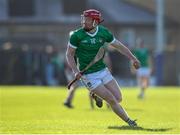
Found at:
[74, 80]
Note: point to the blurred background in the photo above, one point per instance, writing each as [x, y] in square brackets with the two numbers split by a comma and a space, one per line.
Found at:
[34, 36]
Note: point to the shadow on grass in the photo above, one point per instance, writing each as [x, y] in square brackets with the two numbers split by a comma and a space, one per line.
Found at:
[140, 128]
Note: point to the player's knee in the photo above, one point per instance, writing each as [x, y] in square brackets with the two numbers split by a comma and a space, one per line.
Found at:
[119, 99]
[112, 101]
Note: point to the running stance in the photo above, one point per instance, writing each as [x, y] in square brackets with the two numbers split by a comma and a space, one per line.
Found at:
[84, 43]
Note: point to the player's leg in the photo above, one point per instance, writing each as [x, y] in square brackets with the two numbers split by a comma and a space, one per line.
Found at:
[140, 82]
[143, 81]
[91, 100]
[69, 98]
[99, 101]
[91, 82]
[144, 85]
[113, 87]
[111, 84]
[141, 86]
[146, 81]
[104, 93]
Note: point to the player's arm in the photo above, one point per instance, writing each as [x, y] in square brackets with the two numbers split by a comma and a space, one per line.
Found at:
[70, 52]
[125, 51]
[108, 62]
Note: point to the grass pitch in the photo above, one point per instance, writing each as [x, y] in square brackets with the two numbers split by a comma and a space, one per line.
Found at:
[39, 110]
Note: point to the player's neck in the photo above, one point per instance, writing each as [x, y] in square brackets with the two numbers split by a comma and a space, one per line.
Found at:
[93, 30]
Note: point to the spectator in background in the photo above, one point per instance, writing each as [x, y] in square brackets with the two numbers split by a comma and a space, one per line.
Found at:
[144, 72]
[50, 73]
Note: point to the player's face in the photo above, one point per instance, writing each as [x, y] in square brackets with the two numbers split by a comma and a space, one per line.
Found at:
[87, 23]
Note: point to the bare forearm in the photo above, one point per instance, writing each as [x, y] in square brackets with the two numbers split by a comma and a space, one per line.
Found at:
[123, 49]
[71, 62]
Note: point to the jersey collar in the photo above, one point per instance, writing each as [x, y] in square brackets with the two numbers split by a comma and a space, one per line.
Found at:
[94, 34]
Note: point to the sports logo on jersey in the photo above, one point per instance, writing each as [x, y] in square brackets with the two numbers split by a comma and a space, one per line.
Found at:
[93, 41]
[84, 41]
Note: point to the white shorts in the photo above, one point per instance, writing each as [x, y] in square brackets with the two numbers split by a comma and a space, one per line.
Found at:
[93, 80]
[143, 71]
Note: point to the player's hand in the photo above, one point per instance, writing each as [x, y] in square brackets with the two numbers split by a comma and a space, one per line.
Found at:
[136, 63]
[78, 75]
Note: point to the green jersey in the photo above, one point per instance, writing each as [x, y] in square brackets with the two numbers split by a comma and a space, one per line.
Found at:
[87, 46]
[142, 55]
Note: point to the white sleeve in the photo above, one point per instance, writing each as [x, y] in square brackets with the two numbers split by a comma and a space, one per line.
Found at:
[69, 44]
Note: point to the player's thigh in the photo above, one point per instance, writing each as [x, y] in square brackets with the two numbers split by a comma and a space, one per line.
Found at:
[143, 79]
[113, 87]
[146, 79]
[104, 93]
